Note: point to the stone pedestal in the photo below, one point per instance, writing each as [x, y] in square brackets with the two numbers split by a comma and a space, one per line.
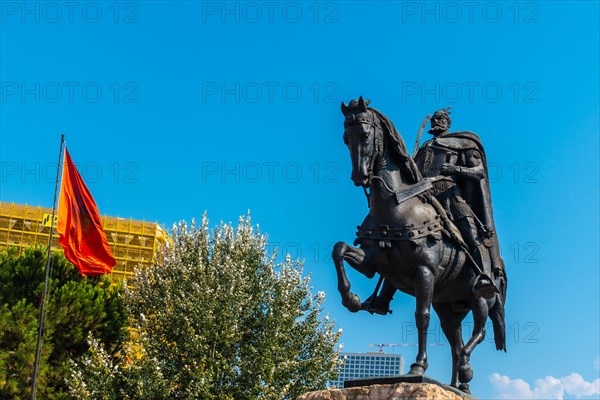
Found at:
[394, 391]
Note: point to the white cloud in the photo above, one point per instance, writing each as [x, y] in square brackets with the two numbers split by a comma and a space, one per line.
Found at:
[575, 384]
[546, 388]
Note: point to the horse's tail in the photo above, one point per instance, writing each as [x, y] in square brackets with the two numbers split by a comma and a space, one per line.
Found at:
[497, 316]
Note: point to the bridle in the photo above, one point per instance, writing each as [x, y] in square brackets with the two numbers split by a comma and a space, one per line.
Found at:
[378, 160]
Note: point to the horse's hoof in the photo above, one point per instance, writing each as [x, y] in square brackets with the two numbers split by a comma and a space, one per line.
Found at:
[352, 303]
[416, 369]
[464, 387]
[465, 374]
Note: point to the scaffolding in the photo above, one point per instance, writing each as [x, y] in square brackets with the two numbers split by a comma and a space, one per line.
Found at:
[133, 243]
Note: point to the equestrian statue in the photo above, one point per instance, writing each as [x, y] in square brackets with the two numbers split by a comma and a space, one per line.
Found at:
[429, 232]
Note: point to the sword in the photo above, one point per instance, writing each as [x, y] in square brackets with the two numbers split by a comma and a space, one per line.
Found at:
[420, 134]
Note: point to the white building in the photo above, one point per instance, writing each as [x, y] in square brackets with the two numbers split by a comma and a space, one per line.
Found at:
[368, 365]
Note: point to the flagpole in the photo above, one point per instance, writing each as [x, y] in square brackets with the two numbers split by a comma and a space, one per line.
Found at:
[38, 349]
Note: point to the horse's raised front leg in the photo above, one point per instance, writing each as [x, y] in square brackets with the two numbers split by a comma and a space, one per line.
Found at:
[357, 260]
[424, 282]
[480, 311]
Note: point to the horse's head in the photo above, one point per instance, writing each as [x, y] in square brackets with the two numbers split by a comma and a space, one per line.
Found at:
[363, 136]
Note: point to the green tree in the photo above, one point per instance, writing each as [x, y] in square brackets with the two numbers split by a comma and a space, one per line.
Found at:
[75, 308]
[217, 318]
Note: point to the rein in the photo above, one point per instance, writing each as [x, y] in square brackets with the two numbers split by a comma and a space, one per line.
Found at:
[402, 194]
[379, 162]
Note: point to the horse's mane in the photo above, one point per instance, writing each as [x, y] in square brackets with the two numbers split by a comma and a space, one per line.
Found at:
[398, 148]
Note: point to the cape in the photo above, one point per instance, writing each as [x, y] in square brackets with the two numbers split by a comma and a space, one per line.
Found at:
[476, 193]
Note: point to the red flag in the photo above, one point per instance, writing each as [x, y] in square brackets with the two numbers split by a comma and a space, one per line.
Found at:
[79, 225]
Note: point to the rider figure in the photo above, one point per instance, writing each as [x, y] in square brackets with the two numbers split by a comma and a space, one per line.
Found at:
[452, 159]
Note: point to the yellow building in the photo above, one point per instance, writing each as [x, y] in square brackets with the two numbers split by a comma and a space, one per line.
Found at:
[132, 242]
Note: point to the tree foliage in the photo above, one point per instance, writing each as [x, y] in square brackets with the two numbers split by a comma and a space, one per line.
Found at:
[217, 318]
[75, 308]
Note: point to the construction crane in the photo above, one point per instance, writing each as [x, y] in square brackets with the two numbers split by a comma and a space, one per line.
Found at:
[382, 345]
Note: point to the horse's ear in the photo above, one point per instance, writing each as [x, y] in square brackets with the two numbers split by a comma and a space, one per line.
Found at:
[362, 107]
[344, 109]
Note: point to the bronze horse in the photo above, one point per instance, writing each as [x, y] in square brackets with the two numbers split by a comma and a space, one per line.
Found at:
[404, 240]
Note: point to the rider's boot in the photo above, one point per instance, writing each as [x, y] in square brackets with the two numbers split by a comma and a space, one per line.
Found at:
[484, 284]
[380, 304]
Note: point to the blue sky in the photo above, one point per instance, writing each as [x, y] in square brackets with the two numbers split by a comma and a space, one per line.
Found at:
[173, 108]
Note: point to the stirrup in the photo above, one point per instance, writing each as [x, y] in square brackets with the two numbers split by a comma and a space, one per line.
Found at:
[373, 306]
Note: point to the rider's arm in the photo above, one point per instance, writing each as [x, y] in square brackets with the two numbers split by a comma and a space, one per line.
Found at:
[472, 167]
